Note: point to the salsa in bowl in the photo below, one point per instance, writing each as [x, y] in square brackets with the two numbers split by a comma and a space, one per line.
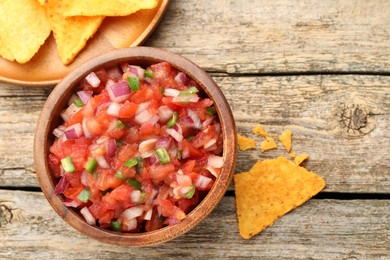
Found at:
[135, 147]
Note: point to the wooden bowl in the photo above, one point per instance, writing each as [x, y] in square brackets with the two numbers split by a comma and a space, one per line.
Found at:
[50, 118]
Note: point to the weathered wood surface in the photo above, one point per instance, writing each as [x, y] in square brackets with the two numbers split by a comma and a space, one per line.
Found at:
[315, 108]
[262, 54]
[263, 36]
[320, 229]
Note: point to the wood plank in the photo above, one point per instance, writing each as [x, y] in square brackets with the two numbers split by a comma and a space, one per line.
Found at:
[278, 36]
[311, 106]
[320, 229]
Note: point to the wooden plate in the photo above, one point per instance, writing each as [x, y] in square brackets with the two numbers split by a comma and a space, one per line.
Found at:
[46, 67]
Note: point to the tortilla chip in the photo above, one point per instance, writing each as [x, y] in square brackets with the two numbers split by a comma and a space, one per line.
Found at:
[42, 2]
[292, 154]
[245, 143]
[259, 130]
[270, 190]
[106, 8]
[268, 144]
[4, 52]
[285, 139]
[23, 28]
[71, 33]
[300, 158]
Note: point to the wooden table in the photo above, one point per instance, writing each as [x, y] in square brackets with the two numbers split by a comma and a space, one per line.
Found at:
[319, 68]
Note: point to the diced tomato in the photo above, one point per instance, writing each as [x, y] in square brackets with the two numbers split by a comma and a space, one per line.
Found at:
[154, 223]
[128, 109]
[75, 118]
[122, 193]
[194, 153]
[126, 152]
[188, 166]
[116, 132]
[106, 180]
[148, 129]
[132, 135]
[161, 70]
[204, 136]
[73, 192]
[54, 164]
[188, 204]
[159, 172]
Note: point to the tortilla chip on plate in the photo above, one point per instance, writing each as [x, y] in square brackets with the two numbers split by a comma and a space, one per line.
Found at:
[4, 52]
[71, 33]
[23, 28]
[106, 8]
[270, 190]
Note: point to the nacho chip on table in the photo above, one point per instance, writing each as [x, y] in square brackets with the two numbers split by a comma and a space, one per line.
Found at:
[259, 130]
[285, 139]
[300, 158]
[23, 28]
[71, 33]
[269, 190]
[268, 144]
[245, 143]
[106, 8]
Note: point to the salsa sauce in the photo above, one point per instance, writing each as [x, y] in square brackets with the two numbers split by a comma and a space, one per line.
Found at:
[139, 148]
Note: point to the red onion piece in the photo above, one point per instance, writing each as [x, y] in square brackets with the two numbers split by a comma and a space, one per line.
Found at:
[59, 131]
[74, 131]
[132, 212]
[135, 196]
[114, 73]
[143, 117]
[210, 143]
[85, 96]
[111, 147]
[171, 92]
[84, 178]
[181, 78]
[93, 80]
[177, 136]
[212, 171]
[72, 203]
[128, 224]
[154, 119]
[142, 107]
[164, 142]
[165, 113]
[61, 186]
[202, 182]
[185, 153]
[118, 92]
[186, 121]
[70, 111]
[102, 162]
[113, 109]
[85, 128]
[133, 71]
[153, 159]
[146, 148]
[88, 216]
[207, 122]
[178, 128]
[195, 118]
[183, 180]
[215, 161]
[148, 214]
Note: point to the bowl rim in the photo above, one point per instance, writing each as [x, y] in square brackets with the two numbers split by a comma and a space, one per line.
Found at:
[67, 85]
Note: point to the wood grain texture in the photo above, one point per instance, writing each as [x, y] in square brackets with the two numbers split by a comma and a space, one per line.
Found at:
[278, 36]
[320, 229]
[315, 108]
